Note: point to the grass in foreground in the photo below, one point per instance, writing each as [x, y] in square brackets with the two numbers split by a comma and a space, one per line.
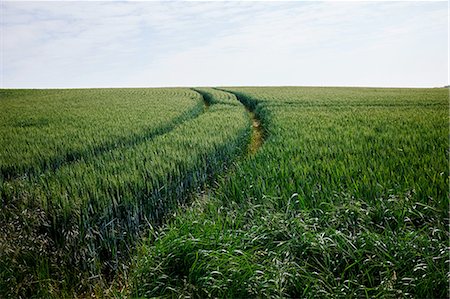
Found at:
[70, 229]
[346, 198]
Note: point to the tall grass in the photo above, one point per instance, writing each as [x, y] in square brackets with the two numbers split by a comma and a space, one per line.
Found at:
[72, 227]
[347, 197]
[44, 129]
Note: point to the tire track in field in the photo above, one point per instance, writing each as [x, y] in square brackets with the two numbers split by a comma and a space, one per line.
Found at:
[128, 219]
[207, 98]
[259, 132]
[9, 174]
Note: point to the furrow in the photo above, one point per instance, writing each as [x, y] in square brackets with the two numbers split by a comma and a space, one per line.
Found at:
[90, 153]
[253, 107]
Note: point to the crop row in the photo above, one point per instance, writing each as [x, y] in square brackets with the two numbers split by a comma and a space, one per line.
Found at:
[216, 96]
[347, 197]
[44, 129]
[72, 226]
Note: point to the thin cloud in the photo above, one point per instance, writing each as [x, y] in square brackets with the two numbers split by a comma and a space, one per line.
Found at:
[93, 44]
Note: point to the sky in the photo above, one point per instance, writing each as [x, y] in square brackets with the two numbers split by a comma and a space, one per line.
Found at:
[150, 44]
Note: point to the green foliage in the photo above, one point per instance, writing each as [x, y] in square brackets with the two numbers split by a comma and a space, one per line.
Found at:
[346, 198]
[44, 129]
[71, 227]
[215, 96]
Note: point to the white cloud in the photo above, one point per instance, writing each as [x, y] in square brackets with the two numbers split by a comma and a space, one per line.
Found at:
[84, 44]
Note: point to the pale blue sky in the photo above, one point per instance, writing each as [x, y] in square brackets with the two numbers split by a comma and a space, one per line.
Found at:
[131, 44]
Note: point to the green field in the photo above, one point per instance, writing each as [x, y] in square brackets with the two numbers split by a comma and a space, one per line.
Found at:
[224, 192]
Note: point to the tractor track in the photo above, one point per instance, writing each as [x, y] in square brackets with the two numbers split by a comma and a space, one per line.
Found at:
[93, 152]
[259, 132]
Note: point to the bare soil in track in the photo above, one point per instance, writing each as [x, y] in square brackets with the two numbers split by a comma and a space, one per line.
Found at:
[257, 134]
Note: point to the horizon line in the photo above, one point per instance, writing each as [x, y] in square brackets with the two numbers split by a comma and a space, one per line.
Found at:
[194, 86]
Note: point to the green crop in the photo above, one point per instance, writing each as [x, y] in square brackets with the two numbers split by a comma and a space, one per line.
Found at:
[347, 197]
[43, 129]
[87, 214]
[307, 192]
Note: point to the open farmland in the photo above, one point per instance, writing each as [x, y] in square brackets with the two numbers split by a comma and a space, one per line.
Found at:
[347, 197]
[86, 213]
[42, 129]
[312, 192]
